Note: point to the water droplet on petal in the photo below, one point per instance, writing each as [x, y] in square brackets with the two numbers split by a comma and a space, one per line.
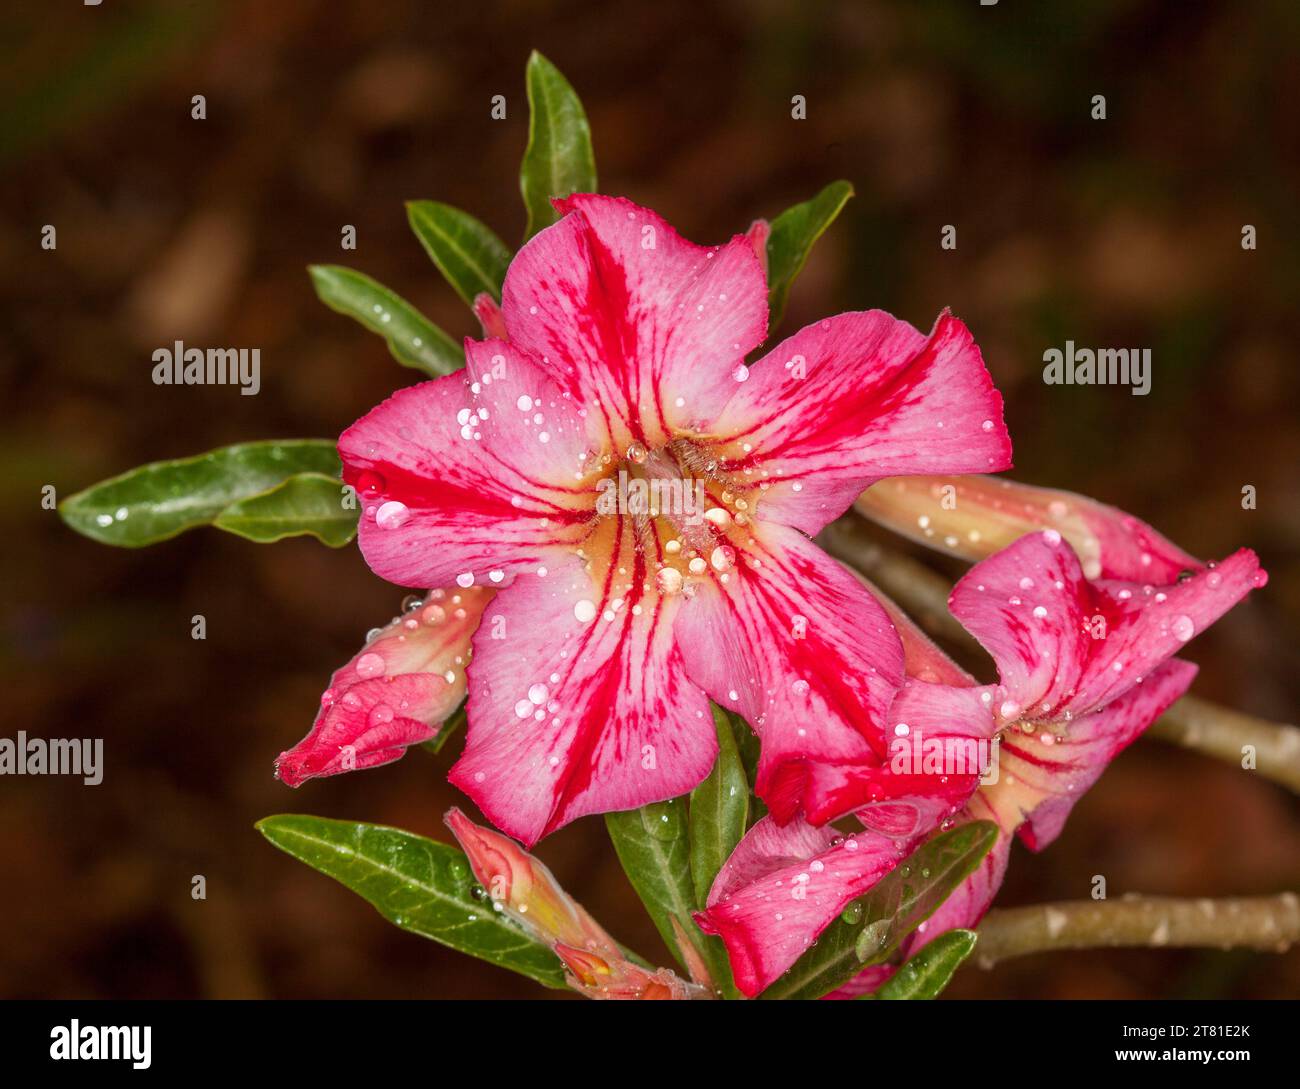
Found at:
[369, 483]
[669, 580]
[392, 515]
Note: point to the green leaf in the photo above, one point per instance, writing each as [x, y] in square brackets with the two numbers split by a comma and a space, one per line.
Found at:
[719, 810]
[653, 844]
[749, 747]
[467, 253]
[417, 884]
[913, 891]
[305, 504]
[413, 340]
[925, 975]
[157, 501]
[791, 240]
[559, 159]
[886, 914]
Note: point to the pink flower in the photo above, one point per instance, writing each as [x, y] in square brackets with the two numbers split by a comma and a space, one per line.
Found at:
[522, 887]
[396, 691]
[1084, 668]
[563, 468]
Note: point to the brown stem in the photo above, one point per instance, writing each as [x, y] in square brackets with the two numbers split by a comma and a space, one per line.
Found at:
[1272, 748]
[1269, 923]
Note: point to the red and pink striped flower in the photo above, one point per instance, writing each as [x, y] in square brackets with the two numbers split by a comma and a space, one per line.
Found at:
[620, 355]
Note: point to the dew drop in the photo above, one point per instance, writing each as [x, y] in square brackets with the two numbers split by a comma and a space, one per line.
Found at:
[369, 483]
[669, 580]
[391, 515]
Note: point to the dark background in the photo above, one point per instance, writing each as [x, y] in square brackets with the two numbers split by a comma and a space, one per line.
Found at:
[1112, 233]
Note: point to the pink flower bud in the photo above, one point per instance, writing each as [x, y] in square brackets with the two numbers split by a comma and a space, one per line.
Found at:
[395, 692]
[523, 888]
[975, 516]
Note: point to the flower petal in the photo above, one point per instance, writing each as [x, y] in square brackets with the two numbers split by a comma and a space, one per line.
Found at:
[854, 398]
[644, 326]
[478, 472]
[940, 739]
[804, 652]
[579, 703]
[1028, 606]
[765, 848]
[1063, 644]
[787, 886]
[488, 313]
[1046, 774]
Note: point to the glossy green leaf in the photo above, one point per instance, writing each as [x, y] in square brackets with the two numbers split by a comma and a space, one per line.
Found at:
[749, 747]
[559, 159]
[886, 914]
[157, 501]
[791, 240]
[925, 975]
[913, 891]
[653, 844]
[413, 340]
[310, 504]
[719, 810]
[417, 884]
[467, 253]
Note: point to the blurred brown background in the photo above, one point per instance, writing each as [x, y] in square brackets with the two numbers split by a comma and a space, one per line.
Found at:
[1117, 232]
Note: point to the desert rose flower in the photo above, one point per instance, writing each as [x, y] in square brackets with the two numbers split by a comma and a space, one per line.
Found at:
[642, 499]
[1081, 680]
[522, 887]
[975, 516]
[396, 691]
[1084, 667]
